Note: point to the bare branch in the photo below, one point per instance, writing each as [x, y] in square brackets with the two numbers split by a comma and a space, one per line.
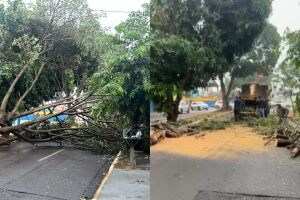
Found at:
[11, 89]
[29, 89]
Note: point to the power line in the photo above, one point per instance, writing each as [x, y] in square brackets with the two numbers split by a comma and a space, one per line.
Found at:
[100, 10]
[113, 11]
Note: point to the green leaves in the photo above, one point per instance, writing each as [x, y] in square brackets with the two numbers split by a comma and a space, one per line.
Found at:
[27, 48]
[125, 75]
[293, 53]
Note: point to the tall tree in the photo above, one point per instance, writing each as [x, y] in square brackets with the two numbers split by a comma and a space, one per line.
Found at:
[260, 60]
[180, 61]
[238, 23]
[287, 75]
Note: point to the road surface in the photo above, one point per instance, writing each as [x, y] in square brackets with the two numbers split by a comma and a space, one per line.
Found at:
[231, 165]
[154, 116]
[29, 173]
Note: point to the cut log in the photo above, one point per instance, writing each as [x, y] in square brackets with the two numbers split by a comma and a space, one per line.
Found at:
[295, 152]
[282, 142]
[192, 130]
[158, 125]
[171, 134]
[153, 137]
[168, 126]
[156, 136]
[282, 136]
[193, 133]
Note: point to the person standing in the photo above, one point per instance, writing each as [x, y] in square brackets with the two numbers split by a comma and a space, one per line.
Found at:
[261, 106]
[282, 113]
[237, 108]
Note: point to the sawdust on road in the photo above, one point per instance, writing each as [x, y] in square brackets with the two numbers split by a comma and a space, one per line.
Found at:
[232, 142]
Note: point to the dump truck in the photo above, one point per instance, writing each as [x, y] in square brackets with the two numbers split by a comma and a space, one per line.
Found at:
[249, 93]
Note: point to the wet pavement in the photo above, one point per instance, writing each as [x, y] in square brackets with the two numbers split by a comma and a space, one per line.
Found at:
[49, 173]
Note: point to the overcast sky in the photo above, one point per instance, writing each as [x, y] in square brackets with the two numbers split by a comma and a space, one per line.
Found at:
[286, 13]
[117, 10]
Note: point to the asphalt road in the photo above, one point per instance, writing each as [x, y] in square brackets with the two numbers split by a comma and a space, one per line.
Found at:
[29, 173]
[154, 116]
[269, 176]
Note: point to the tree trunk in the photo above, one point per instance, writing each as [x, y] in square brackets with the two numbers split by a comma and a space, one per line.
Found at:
[3, 123]
[174, 112]
[225, 94]
[225, 104]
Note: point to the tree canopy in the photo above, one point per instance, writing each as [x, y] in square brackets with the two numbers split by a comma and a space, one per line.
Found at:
[57, 50]
[195, 41]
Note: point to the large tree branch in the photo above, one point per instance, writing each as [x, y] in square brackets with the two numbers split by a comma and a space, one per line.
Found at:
[230, 85]
[29, 89]
[42, 119]
[31, 111]
[11, 89]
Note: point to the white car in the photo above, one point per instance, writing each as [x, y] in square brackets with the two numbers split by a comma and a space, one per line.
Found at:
[199, 105]
[218, 104]
[183, 107]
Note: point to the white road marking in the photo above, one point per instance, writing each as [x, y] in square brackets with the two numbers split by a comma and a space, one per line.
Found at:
[50, 155]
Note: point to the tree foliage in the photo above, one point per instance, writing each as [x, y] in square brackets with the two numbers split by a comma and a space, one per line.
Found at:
[261, 59]
[54, 48]
[126, 76]
[287, 76]
[179, 60]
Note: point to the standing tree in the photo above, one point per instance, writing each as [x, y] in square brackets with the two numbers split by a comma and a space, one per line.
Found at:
[180, 60]
[260, 60]
[288, 72]
[238, 24]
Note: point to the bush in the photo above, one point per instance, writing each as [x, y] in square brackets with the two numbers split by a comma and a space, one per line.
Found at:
[265, 126]
[214, 124]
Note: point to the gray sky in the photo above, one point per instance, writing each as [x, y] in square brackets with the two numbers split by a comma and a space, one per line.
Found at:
[114, 18]
[117, 10]
[286, 13]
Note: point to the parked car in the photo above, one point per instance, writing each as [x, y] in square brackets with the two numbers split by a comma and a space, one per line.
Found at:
[218, 104]
[183, 107]
[199, 105]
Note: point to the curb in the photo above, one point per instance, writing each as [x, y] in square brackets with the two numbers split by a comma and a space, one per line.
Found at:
[100, 188]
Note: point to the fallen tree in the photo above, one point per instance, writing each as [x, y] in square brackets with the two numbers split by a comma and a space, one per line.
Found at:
[46, 57]
[90, 135]
[284, 135]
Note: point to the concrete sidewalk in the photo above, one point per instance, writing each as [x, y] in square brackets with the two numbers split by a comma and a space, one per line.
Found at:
[125, 183]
